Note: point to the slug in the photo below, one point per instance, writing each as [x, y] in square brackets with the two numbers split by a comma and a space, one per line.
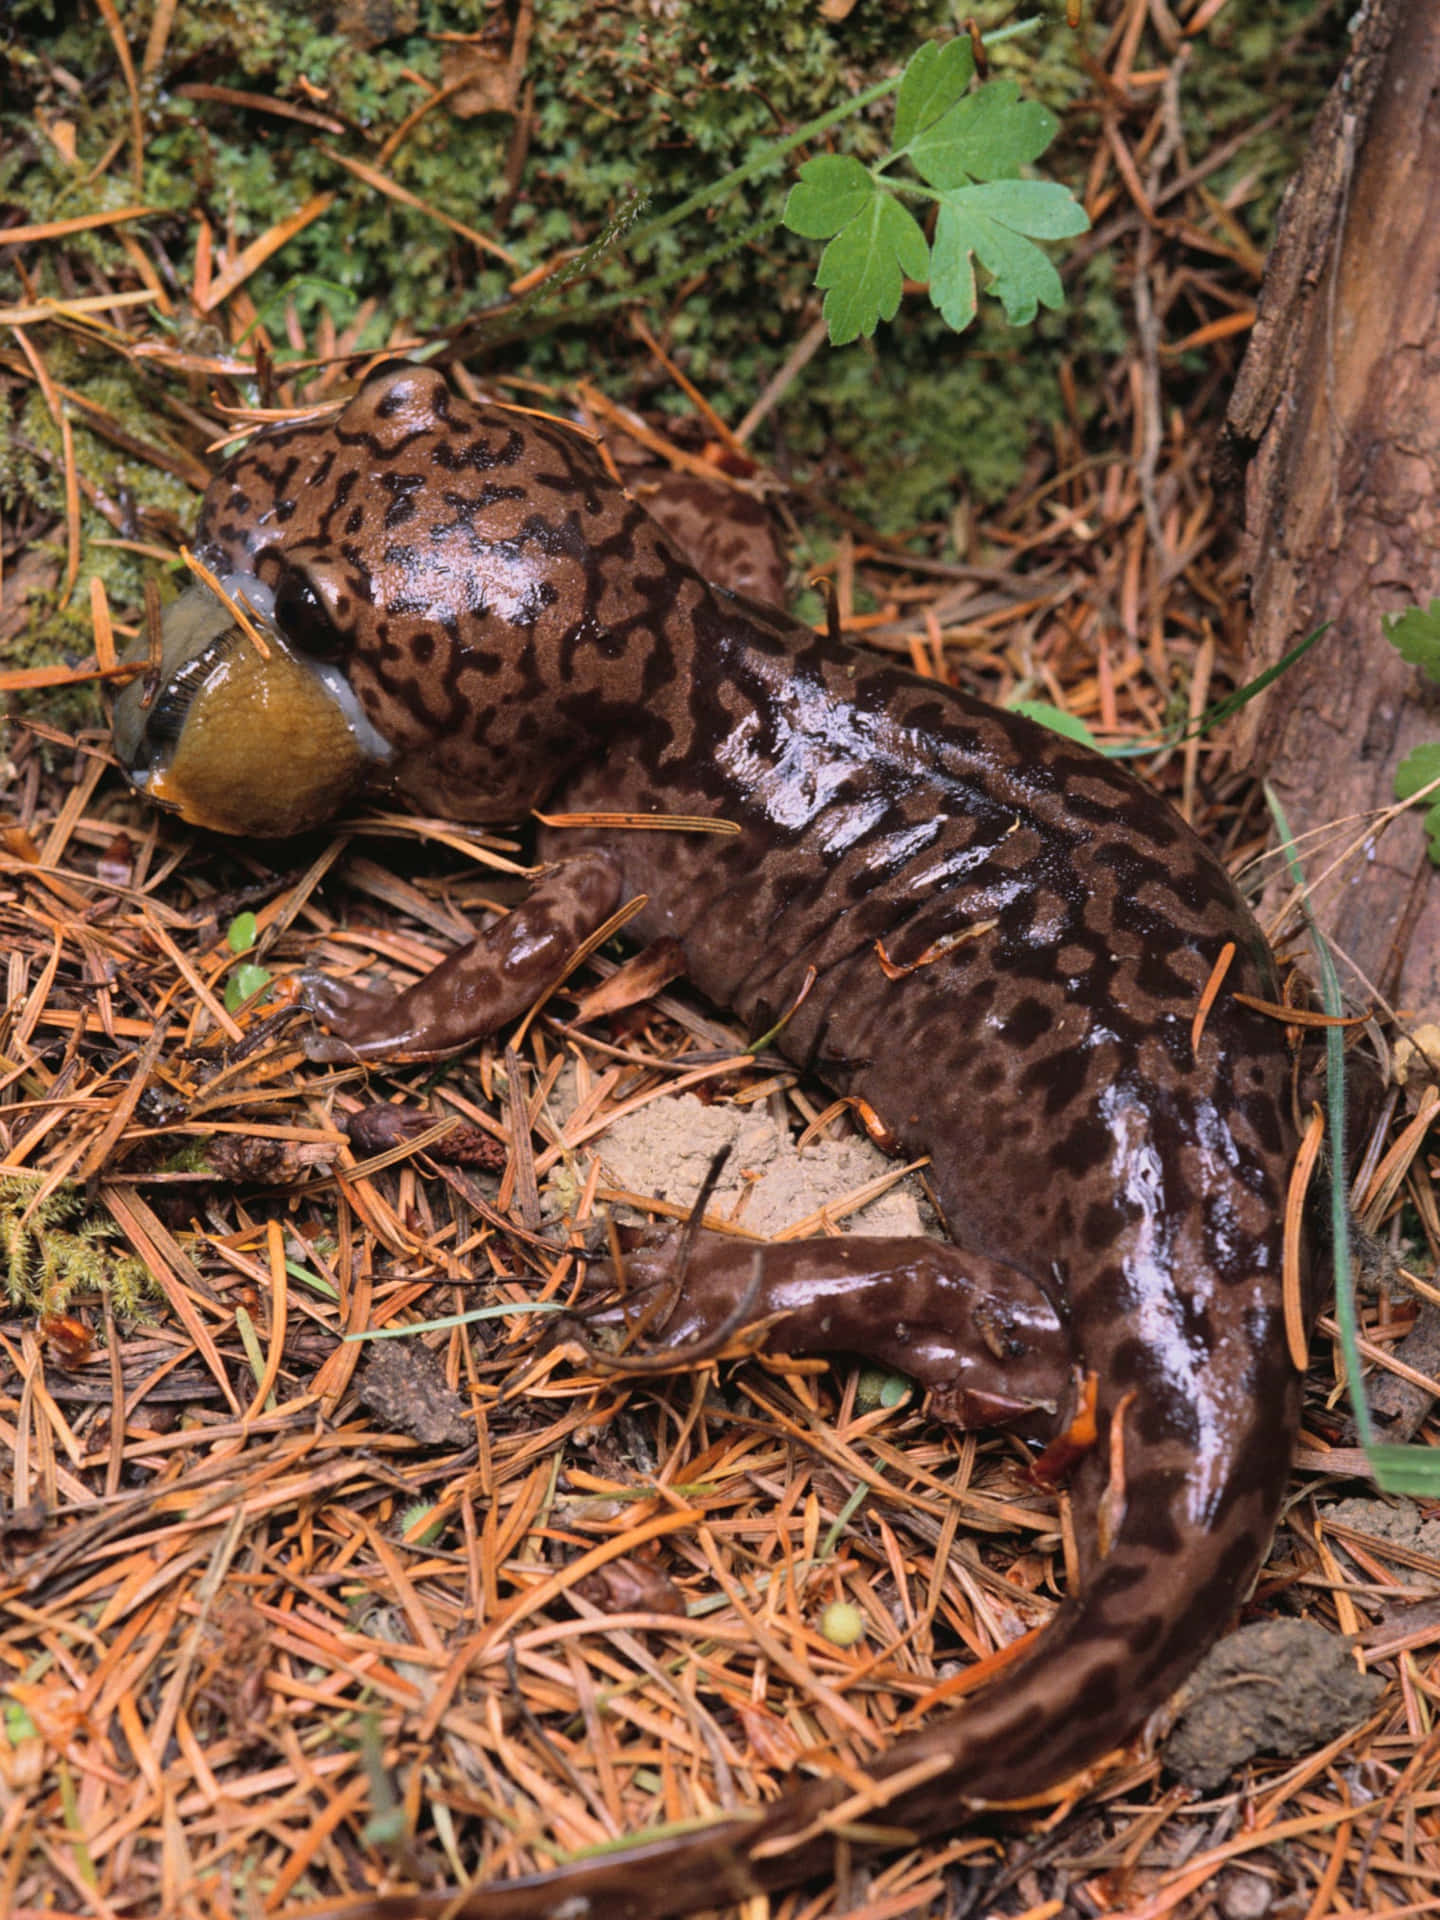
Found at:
[992, 936]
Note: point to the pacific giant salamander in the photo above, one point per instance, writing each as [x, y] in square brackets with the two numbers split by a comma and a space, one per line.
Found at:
[1009, 939]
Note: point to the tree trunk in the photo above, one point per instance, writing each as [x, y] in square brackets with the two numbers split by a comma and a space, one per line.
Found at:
[1337, 409]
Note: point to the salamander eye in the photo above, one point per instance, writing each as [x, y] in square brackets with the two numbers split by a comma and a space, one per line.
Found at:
[304, 619]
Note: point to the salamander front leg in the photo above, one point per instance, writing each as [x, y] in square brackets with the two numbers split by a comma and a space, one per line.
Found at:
[479, 988]
[982, 1337]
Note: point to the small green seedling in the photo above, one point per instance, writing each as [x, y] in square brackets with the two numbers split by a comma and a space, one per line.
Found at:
[968, 147]
[248, 978]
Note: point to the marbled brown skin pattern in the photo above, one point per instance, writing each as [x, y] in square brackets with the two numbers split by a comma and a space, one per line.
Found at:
[724, 534]
[525, 635]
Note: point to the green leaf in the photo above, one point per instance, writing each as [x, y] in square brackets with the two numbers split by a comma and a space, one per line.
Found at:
[18, 1724]
[936, 78]
[1040, 208]
[309, 1279]
[1058, 721]
[1415, 634]
[413, 1515]
[407, 1329]
[1415, 771]
[240, 934]
[952, 275]
[990, 223]
[832, 190]
[245, 980]
[1412, 1470]
[989, 135]
[864, 268]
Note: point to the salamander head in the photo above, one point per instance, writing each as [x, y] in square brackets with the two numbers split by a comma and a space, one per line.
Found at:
[238, 741]
[466, 581]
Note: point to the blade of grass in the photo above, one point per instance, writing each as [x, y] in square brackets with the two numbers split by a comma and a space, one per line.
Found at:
[1335, 1122]
[1221, 711]
[1397, 1469]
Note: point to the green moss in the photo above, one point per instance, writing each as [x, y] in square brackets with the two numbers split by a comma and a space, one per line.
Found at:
[32, 468]
[1254, 60]
[54, 1250]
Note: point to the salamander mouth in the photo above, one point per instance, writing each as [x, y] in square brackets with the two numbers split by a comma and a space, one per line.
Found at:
[165, 718]
[241, 734]
[198, 634]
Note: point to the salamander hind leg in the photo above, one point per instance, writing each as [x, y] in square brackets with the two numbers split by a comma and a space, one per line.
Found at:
[494, 979]
[980, 1336]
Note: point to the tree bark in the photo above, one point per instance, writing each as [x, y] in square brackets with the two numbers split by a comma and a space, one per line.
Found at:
[1337, 409]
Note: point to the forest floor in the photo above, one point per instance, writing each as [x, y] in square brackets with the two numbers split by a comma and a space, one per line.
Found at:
[286, 1611]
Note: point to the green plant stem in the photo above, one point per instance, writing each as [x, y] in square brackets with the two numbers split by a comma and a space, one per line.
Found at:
[761, 162]
[458, 1320]
[696, 263]
[1397, 1469]
[758, 163]
[525, 327]
[1335, 1120]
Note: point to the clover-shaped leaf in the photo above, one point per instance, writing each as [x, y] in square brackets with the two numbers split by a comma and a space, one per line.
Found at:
[969, 149]
[876, 243]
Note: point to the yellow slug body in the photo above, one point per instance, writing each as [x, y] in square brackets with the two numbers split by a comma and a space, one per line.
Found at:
[239, 740]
